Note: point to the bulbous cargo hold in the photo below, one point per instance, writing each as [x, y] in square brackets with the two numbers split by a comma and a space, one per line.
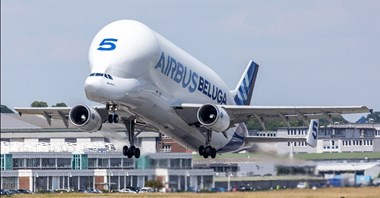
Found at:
[213, 117]
[86, 118]
[124, 48]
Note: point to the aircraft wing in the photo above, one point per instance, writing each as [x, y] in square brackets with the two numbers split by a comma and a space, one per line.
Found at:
[50, 113]
[62, 113]
[263, 114]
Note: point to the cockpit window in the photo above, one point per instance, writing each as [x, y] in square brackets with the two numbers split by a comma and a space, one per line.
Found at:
[102, 75]
[109, 76]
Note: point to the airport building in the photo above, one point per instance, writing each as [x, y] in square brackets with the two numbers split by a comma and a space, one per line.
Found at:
[337, 138]
[40, 158]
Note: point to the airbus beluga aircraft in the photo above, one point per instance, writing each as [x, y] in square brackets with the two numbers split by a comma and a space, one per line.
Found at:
[144, 80]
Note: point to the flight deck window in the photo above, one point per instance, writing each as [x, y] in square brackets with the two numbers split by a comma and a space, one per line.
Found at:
[92, 74]
[98, 74]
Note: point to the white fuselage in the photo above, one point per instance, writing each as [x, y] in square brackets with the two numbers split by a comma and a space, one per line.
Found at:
[148, 74]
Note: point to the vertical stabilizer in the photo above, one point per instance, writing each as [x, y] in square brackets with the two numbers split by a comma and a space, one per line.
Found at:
[312, 133]
[244, 90]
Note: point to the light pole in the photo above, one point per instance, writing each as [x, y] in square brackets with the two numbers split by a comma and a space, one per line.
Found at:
[186, 176]
[68, 181]
[125, 179]
[229, 181]
[35, 176]
[109, 180]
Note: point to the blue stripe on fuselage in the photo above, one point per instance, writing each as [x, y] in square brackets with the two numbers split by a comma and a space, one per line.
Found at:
[236, 141]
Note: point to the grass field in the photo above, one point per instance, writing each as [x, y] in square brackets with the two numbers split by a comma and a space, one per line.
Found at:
[368, 192]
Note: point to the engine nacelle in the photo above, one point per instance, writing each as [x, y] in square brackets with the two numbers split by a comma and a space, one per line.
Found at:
[86, 118]
[213, 117]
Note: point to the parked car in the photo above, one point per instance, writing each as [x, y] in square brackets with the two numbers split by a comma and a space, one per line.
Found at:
[83, 191]
[25, 191]
[94, 190]
[146, 190]
[5, 192]
[61, 190]
[127, 190]
[303, 185]
[220, 189]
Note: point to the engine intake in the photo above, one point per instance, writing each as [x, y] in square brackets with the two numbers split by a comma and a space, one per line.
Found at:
[213, 117]
[86, 118]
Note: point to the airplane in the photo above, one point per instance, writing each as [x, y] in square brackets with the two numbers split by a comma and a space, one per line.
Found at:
[147, 82]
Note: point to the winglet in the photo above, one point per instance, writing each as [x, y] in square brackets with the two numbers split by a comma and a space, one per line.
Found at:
[312, 133]
[244, 90]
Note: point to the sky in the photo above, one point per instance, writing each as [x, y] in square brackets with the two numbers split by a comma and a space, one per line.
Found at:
[309, 52]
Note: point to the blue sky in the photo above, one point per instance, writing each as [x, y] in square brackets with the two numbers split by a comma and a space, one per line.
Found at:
[309, 52]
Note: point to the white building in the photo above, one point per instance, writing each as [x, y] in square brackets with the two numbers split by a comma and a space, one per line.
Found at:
[332, 138]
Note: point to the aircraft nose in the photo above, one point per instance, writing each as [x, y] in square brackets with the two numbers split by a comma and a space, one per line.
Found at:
[92, 86]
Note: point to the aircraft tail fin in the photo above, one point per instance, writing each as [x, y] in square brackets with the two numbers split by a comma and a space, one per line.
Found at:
[312, 133]
[244, 90]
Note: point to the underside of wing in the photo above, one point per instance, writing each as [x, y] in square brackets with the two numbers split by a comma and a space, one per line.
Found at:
[238, 113]
[48, 112]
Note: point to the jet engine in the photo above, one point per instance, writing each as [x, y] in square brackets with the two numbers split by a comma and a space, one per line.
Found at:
[86, 118]
[213, 117]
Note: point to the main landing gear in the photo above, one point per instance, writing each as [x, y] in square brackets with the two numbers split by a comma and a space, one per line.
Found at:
[132, 150]
[208, 150]
[112, 115]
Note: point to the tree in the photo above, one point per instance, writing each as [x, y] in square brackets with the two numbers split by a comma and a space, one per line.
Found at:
[60, 104]
[155, 184]
[375, 116]
[5, 109]
[39, 104]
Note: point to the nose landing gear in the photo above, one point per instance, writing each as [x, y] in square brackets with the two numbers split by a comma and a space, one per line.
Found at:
[112, 115]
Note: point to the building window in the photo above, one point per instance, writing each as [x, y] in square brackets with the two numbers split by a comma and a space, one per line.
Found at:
[92, 163]
[115, 162]
[46, 140]
[48, 163]
[18, 163]
[63, 162]
[167, 148]
[9, 183]
[33, 163]
[71, 140]
[102, 163]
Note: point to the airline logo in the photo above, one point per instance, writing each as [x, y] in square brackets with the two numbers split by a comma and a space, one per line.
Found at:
[314, 129]
[189, 79]
[244, 94]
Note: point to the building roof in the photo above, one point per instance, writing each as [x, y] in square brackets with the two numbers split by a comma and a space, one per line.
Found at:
[346, 166]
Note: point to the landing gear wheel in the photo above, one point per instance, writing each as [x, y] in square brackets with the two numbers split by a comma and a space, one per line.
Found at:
[110, 118]
[201, 150]
[116, 118]
[205, 155]
[137, 153]
[131, 151]
[208, 151]
[125, 150]
[213, 153]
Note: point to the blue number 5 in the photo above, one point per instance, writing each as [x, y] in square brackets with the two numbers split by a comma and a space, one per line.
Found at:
[107, 44]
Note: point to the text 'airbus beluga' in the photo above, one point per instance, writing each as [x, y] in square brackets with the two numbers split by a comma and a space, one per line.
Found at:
[145, 80]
